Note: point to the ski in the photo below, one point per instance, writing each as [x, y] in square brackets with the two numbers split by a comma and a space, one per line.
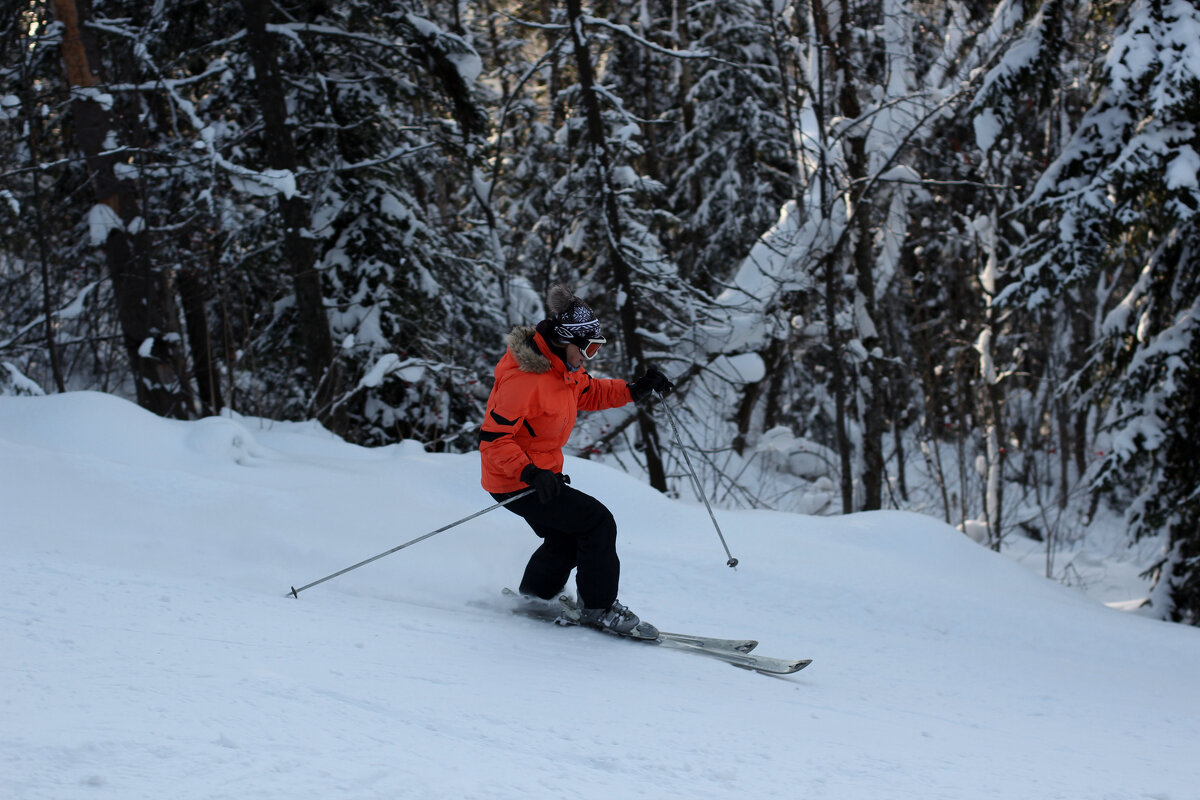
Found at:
[732, 651]
[764, 664]
[735, 645]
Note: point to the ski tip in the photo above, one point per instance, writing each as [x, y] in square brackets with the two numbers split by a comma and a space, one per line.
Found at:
[795, 666]
[787, 668]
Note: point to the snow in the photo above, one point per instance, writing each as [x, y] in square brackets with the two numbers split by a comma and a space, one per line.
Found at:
[1017, 58]
[150, 650]
[466, 61]
[392, 206]
[625, 177]
[13, 381]
[408, 369]
[987, 129]
[102, 221]
[1183, 171]
[264, 183]
[739, 369]
[103, 99]
[10, 106]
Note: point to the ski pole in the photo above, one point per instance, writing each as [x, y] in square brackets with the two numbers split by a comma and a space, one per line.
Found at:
[732, 562]
[296, 592]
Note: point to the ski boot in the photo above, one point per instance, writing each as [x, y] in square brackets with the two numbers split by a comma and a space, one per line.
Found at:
[617, 619]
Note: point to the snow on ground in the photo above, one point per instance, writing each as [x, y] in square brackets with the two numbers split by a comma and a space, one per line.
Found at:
[1103, 564]
[149, 649]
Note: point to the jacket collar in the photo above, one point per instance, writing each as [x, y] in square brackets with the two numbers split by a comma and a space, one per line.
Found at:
[532, 352]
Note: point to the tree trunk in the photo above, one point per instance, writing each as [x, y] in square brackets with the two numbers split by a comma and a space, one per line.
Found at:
[832, 280]
[781, 39]
[144, 296]
[874, 407]
[297, 246]
[993, 435]
[622, 270]
[193, 293]
[558, 110]
[753, 392]
[897, 404]
[33, 131]
[832, 276]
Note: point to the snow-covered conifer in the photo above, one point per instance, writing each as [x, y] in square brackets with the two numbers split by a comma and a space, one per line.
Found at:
[1118, 210]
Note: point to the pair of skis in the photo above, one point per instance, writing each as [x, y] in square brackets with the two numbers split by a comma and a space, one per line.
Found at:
[732, 651]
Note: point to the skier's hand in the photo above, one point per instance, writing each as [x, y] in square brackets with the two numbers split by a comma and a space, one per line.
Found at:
[651, 381]
[546, 483]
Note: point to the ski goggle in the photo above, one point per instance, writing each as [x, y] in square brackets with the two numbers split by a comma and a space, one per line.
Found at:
[590, 347]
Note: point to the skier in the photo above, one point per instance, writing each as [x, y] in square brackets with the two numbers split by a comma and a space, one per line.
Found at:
[540, 386]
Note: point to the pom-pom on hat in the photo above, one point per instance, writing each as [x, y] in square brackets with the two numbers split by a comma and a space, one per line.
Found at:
[571, 318]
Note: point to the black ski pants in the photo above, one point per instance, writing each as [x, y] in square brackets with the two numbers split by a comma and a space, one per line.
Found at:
[577, 532]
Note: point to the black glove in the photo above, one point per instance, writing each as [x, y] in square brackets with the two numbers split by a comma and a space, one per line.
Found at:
[546, 483]
[651, 381]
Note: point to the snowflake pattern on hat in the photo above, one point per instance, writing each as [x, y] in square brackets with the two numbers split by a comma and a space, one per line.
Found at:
[573, 320]
[577, 323]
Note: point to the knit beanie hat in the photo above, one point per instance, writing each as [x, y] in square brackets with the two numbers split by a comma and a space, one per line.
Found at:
[571, 319]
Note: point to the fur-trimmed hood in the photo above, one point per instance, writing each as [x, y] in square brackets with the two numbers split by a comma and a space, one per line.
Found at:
[528, 357]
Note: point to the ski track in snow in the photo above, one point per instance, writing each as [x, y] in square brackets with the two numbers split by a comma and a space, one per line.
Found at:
[149, 649]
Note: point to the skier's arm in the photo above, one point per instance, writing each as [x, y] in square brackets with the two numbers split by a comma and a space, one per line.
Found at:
[506, 435]
[500, 445]
[601, 393]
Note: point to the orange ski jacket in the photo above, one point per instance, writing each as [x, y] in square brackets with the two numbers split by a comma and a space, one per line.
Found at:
[532, 410]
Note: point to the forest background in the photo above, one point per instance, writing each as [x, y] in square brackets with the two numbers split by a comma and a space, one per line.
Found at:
[935, 255]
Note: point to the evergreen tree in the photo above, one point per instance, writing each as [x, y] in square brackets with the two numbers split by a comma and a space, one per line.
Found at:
[1118, 208]
[29, 281]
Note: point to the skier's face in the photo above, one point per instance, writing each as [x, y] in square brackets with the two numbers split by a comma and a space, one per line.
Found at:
[574, 357]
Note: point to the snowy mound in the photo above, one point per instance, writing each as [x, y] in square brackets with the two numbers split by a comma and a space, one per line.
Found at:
[150, 650]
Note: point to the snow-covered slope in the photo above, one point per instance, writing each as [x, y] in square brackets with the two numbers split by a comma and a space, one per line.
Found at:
[149, 651]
